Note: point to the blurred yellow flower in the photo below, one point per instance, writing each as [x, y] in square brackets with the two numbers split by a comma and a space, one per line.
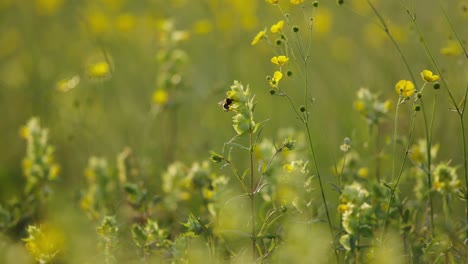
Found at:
[428, 76]
[48, 7]
[125, 22]
[260, 35]
[43, 243]
[279, 60]
[160, 97]
[98, 22]
[54, 172]
[363, 172]
[342, 208]
[203, 27]
[273, 2]
[288, 168]
[278, 27]
[322, 21]
[387, 105]
[451, 49]
[404, 88]
[66, 85]
[98, 70]
[359, 105]
[296, 2]
[374, 36]
[24, 132]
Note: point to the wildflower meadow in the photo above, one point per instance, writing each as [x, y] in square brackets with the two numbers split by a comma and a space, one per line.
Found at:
[233, 131]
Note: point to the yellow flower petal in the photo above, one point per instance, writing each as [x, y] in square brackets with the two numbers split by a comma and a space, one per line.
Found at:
[278, 27]
[279, 60]
[296, 2]
[428, 76]
[404, 88]
[258, 37]
[273, 2]
[160, 97]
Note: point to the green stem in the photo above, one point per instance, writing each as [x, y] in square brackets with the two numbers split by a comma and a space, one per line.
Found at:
[252, 193]
[429, 159]
[400, 172]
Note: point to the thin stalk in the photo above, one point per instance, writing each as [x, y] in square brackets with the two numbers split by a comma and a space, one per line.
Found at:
[311, 146]
[465, 152]
[395, 131]
[400, 172]
[252, 201]
[429, 158]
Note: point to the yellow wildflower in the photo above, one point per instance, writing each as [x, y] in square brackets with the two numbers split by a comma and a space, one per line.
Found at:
[43, 243]
[404, 88]
[203, 27]
[278, 27]
[99, 69]
[160, 97]
[451, 49]
[342, 208]
[273, 2]
[288, 168]
[323, 21]
[276, 78]
[24, 132]
[363, 172]
[260, 35]
[279, 60]
[428, 76]
[48, 7]
[66, 85]
[296, 2]
[125, 22]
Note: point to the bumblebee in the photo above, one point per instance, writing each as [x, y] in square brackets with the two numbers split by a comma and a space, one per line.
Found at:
[226, 103]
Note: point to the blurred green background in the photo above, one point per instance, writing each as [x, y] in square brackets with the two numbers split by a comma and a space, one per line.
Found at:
[43, 42]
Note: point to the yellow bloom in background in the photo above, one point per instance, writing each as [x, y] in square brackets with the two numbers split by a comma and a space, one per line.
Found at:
[98, 22]
[277, 76]
[160, 97]
[203, 27]
[363, 172]
[66, 85]
[278, 27]
[260, 35]
[279, 60]
[374, 36]
[451, 49]
[322, 21]
[296, 2]
[44, 243]
[125, 22]
[24, 132]
[273, 2]
[98, 70]
[48, 7]
[428, 76]
[404, 88]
